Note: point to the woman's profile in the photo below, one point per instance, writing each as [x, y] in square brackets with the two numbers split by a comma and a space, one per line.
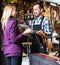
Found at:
[11, 37]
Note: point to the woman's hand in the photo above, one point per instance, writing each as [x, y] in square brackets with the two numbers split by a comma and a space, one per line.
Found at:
[27, 31]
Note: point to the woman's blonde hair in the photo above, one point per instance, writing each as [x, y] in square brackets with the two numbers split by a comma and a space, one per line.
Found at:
[6, 14]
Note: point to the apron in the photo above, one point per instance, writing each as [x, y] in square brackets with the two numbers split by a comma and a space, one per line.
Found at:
[35, 47]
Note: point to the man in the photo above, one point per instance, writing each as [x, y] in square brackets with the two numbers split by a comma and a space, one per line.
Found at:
[41, 24]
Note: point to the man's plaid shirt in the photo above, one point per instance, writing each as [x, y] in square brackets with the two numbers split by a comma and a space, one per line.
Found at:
[46, 25]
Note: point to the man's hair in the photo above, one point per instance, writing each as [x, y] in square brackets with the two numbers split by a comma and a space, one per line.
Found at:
[40, 5]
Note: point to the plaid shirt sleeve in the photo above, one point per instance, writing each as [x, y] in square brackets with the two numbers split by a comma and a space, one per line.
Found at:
[46, 26]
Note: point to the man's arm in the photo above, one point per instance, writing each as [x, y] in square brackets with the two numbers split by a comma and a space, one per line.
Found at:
[47, 27]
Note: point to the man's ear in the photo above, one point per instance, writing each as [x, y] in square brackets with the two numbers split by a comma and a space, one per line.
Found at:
[41, 9]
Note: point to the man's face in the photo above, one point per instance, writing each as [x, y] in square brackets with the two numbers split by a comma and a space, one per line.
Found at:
[36, 10]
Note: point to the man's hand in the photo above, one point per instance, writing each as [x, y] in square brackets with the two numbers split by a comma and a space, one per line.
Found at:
[40, 32]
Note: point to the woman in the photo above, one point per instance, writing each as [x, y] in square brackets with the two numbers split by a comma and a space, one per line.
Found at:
[11, 36]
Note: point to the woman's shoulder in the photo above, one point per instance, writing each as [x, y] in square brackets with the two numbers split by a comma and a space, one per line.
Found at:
[11, 21]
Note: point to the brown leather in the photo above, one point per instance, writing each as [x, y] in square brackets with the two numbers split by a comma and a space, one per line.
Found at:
[48, 43]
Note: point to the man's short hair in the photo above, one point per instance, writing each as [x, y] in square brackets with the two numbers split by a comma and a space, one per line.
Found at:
[40, 5]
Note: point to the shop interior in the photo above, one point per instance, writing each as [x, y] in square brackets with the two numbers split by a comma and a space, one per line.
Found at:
[25, 15]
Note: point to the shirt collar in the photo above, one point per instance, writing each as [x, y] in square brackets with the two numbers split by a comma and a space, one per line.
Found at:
[39, 17]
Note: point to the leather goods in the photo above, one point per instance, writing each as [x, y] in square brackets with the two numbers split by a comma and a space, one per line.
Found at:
[48, 43]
